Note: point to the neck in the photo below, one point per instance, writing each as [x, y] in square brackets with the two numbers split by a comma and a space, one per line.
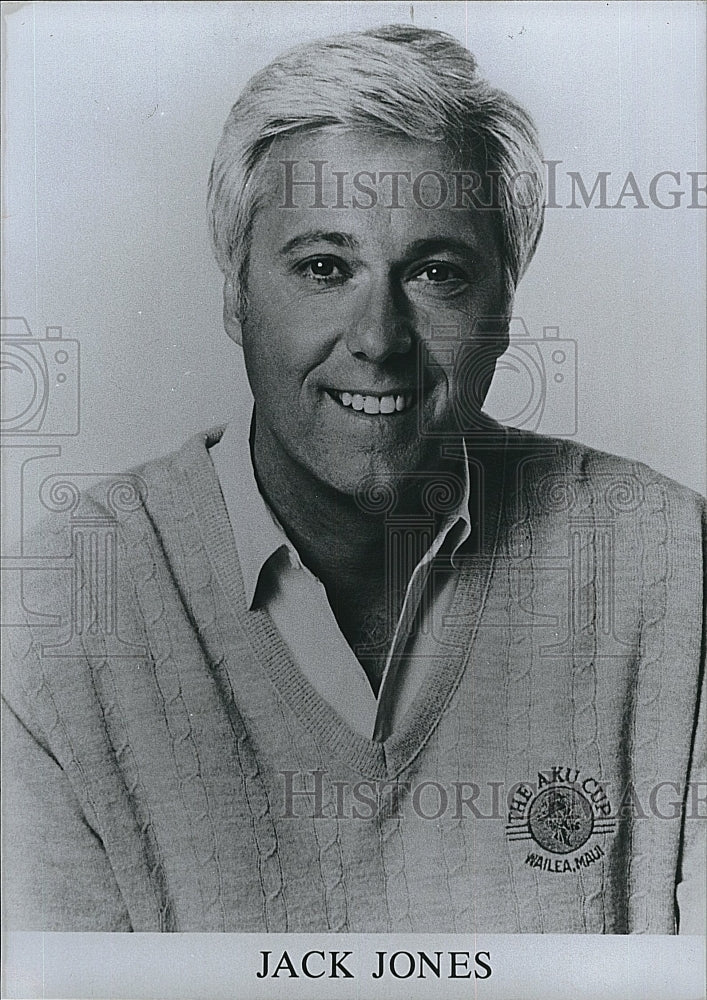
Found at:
[334, 536]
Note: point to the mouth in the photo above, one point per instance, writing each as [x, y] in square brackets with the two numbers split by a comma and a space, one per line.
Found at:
[374, 404]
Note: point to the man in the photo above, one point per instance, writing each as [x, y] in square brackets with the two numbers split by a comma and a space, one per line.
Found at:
[372, 662]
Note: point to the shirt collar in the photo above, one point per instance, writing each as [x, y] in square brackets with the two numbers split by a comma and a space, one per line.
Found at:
[257, 532]
[457, 526]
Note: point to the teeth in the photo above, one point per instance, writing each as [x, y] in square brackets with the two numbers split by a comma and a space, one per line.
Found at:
[374, 405]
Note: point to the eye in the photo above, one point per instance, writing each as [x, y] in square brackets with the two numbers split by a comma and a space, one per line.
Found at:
[438, 273]
[323, 270]
[439, 278]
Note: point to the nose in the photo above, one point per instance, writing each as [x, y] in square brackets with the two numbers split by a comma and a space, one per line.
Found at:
[382, 324]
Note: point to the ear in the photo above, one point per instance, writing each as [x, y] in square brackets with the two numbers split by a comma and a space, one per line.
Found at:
[231, 310]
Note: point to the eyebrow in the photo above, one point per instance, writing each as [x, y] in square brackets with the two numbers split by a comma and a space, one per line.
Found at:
[436, 244]
[313, 236]
[419, 248]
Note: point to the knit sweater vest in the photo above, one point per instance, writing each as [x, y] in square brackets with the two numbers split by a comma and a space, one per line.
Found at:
[159, 736]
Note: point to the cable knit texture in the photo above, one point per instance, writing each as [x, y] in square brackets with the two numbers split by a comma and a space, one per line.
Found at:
[157, 729]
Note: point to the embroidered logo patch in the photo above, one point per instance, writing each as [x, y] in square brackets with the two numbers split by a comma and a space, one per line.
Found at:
[561, 814]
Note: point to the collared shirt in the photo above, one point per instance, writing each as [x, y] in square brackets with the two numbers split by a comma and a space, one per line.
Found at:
[274, 575]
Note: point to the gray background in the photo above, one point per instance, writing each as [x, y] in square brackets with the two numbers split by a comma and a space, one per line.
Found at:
[112, 114]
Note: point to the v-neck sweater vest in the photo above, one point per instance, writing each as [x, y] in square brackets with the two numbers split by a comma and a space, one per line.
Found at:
[158, 753]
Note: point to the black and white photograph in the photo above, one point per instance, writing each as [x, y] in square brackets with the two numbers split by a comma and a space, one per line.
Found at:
[354, 460]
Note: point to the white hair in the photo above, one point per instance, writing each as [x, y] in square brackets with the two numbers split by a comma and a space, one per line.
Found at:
[393, 81]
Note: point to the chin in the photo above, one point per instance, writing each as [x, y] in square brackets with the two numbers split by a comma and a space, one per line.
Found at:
[377, 480]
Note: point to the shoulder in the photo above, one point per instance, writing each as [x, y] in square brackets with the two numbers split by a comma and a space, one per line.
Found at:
[150, 488]
[556, 474]
[97, 564]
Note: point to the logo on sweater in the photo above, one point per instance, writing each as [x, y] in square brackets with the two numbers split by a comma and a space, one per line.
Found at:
[565, 813]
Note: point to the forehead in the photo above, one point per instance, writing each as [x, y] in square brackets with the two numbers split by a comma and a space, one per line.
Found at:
[385, 191]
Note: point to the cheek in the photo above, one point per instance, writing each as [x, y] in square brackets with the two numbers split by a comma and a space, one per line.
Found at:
[290, 338]
[277, 359]
[267, 338]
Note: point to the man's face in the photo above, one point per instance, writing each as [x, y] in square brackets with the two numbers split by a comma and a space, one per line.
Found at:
[352, 311]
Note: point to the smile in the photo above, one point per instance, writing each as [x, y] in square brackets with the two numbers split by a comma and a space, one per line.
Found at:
[373, 404]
